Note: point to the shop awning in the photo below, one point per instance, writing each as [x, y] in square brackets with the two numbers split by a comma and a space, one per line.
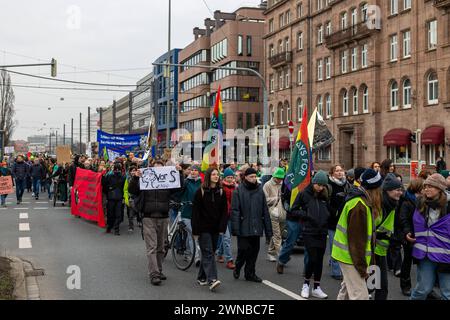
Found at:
[284, 143]
[433, 135]
[397, 137]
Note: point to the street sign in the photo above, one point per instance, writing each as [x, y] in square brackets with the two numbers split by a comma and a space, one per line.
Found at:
[291, 127]
[291, 137]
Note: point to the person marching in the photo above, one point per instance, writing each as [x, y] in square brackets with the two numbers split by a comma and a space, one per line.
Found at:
[4, 172]
[113, 186]
[354, 238]
[209, 219]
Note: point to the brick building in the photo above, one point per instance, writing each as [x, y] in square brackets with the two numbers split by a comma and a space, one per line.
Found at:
[377, 70]
[230, 40]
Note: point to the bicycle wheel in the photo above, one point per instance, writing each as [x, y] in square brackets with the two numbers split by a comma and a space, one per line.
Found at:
[183, 255]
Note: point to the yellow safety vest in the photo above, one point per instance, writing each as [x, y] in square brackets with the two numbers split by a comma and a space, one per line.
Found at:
[382, 246]
[340, 251]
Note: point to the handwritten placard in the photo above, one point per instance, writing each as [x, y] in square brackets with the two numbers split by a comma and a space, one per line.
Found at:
[159, 178]
[6, 185]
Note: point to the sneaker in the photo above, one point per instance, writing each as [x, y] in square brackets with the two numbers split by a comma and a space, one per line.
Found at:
[305, 291]
[280, 268]
[231, 265]
[406, 292]
[398, 273]
[271, 258]
[197, 263]
[254, 278]
[214, 284]
[202, 282]
[116, 233]
[108, 230]
[318, 293]
[18, 201]
[220, 259]
[162, 276]
[32, 195]
[130, 230]
[236, 273]
[37, 197]
[156, 281]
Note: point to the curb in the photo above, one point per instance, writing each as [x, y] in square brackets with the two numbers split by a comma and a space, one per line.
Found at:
[26, 285]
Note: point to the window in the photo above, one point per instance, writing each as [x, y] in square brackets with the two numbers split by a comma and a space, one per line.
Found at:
[319, 5]
[272, 115]
[300, 74]
[299, 109]
[240, 47]
[406, 44]
[354, 58]
[281, 80]
[345, 103]
[281, 20]
[406, 4]
[320, 34]
[432, 34]
[433, 88]
[240, 120]
[364, 54]
[407, 93]
[344, 61]
[280, 46]
[320, 105]
[219, 51]
[354, 17]
[394, 96]
[355, 101]
[394, 7]
[288, 78]
[393, 46]
[400, 154]
[366, 100]
[272, 50]
[364, 12]
[433, 152]
[271, 26]
[281, 109]
[249, 46]
[287, 45]
[249, 121]
[271, 83]
[343, 20]
[288, 112]
[328, 67]
[328, 106]
[288, 17]
[319, 70]
[300, 41]
[329, 28]
[324, 154]
[299, 10]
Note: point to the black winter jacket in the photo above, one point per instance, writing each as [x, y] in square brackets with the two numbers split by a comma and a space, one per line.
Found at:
[337, 202]
[209, 211]
[407, 206]
[20, 170]
[37, 171]
[113, 186]
[249, 212]
[313, 211]
[155, 202]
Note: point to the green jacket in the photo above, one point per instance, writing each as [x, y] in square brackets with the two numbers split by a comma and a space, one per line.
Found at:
[190, 187]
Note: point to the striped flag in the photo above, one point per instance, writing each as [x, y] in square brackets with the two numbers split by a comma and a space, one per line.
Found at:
[298, 176]
[215, 140]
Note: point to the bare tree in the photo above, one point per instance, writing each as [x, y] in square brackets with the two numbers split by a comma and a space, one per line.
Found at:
[7, 98]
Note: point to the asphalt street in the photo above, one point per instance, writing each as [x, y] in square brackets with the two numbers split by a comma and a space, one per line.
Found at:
[115, 267]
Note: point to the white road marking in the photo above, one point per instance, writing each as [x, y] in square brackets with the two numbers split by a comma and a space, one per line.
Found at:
[25, 243]
[40, 202]
[283, 290]
[24, 227]
[23, 216]
[46, 208]
[3, 208]
[21, 208]
[61, 208]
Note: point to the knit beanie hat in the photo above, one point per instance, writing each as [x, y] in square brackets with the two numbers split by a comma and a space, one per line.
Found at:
[249, 171]
[197, 168]
[279, 173]
[351, 173]
[436, 180]
[358, 172]
[371, 179]
[445, 173]
[228, 173]
[320, 178]
[391, 183]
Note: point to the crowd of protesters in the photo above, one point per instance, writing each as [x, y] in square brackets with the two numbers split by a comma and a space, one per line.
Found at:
[365, 216]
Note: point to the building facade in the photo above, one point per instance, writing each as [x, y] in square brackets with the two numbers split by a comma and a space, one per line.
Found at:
[142, 104]
[230, 40]
[377, 71]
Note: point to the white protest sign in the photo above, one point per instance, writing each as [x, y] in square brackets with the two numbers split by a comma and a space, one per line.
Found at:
[159, 178]
[9, 150]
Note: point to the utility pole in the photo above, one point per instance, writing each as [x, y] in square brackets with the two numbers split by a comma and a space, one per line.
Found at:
[168, 111]
[50, 141]
[100, 112]
[114, 116]
[89, 125]
[71, 137]
[64, 134]
[80, 135]
[130, 112]
[56, 139]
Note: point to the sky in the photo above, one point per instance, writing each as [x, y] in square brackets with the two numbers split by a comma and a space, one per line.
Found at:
[111, 42]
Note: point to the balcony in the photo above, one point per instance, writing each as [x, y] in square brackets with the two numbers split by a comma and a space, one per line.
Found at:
[349, 35]
[281, 59]
[442, 4]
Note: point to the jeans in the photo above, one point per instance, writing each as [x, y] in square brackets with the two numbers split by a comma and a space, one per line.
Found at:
[208, 267]
[224, 245]
[293, 229]
[3, 199]
[426, 277]
[172, 215]
[49, 185]
[188, 224]
[335, 269]
[36, 186]
[20, 188]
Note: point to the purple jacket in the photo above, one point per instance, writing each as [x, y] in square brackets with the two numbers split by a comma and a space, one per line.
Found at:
[434, 241]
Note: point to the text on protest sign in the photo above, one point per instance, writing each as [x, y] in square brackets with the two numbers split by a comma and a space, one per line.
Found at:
[6, 185]
[159, 178]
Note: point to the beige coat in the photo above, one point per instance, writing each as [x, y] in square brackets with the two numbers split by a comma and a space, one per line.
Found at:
[272, 191]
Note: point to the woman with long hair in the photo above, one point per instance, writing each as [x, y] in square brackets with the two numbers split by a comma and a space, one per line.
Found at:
[354, 238]
[431, 239]
[387, 166]
[209, 220]
[375, 166]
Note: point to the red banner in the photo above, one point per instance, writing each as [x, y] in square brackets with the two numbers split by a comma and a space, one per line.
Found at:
[87, 196]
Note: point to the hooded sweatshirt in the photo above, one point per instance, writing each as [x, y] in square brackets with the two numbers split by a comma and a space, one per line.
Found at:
[190, 187]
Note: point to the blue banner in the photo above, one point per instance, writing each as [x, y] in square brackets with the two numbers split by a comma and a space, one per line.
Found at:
[111, 146]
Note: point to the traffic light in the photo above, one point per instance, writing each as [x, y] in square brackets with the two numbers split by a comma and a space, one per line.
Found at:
[54, 68]
[413, 137]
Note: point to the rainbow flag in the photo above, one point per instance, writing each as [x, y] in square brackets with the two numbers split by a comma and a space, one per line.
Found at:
[215, 140]
[298, 176]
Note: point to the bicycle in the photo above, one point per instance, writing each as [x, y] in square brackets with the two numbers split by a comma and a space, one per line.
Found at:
[180, 240]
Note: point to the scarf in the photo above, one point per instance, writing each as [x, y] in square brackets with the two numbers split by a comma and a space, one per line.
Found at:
[389, 204]
[250, 186]
[340, 183]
